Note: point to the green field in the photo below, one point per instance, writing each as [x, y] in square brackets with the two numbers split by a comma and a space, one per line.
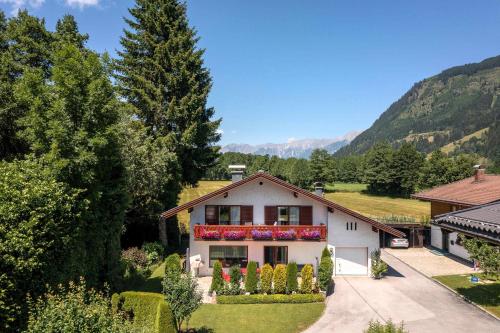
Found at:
[345, 187]
[486, 294]
[255, 318]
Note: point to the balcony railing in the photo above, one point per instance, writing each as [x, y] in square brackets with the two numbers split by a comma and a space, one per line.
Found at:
[260, 232]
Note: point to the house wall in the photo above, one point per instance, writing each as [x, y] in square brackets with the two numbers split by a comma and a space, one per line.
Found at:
[436, 237]
[339, 236]
[438, 208]
[456, 249]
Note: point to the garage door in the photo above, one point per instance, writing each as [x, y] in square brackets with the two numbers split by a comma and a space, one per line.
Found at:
[351, 261]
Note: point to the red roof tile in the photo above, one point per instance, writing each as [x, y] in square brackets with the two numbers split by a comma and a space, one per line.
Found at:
[465, 192]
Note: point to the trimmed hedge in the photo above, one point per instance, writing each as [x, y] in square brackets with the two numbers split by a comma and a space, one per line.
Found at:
[307, 279]
[279, 279]
[325, 272]
[149, 310]
[291, 278]
[217, 279]
[251, 277]
[266, 279]
[173, 267]
[267, 299]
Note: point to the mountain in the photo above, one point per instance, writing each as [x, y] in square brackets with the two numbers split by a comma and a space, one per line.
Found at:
[453, 109]
[293, 148]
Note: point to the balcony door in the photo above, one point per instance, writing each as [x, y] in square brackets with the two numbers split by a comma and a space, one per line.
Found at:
[275, 255]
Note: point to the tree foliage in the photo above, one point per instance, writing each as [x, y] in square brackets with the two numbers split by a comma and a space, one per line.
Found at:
[291, 278]
[488, 256]
[266, 279]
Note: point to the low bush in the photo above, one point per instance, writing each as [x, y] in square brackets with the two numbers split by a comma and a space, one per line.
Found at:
[389, 327]
[267, 299]
[325, 272]
[378, 266]
[145, 310]
[291, 278]
[217, 278]
[173, 267]
[307, 279]
[279, 279]
[251, 278]
[234, 280]
[266, 279]
[135, 257]
[154, 252]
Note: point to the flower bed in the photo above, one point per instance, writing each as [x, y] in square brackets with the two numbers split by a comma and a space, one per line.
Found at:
[234, 235]
[211, 235]
[286, 235]
[310, 235]
[266, 299]
[262, 235]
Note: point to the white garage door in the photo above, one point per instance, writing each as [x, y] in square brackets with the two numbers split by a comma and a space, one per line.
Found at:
[351, 261]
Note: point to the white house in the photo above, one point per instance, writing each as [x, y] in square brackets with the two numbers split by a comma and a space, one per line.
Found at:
[265, 219]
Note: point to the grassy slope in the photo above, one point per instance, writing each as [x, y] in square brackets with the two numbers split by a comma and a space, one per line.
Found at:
[250, 318]
[450, 147]
[346, 187]
[487, 295]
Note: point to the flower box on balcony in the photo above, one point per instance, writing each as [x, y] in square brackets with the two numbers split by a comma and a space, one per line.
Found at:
[286, 235]
[234, 235]
[262, 235]
[310, 235]
[211, 235]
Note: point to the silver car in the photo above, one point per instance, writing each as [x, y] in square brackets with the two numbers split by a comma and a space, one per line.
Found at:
[399, 242]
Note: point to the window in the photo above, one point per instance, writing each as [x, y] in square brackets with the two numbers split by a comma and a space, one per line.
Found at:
[351, 226]
[228, 255]
[294, 215]
[288, 215]
[235, 215]
[274, 255]
[283, 215]
[223, 215]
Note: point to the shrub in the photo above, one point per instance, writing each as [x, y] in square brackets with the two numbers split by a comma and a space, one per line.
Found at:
[378, 266]
[145, 310]
[291, 278]
[279, 279]
[326, 253]
[173, 267]
[235, 275]
[389, 327]
[251, 278]
[486, 255]
[183, 297]
[154, 252]
[307, 279]
[217, 279]
[325, 272]
[135, 257]
[266, 279]
[267, 299]
[74, 310]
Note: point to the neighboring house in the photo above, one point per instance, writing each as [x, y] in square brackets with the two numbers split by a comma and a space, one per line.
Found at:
[480, 189]
[265, 219]
[482, 222]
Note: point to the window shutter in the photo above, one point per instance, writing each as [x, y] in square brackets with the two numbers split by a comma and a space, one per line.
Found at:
[270, 214]
[211, 215]
[306, 215]
[246, 214]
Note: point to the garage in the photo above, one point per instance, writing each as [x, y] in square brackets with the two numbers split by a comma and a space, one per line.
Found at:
[351, 261]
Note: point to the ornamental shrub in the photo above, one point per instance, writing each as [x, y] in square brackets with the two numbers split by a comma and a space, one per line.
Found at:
[325, 272]
[267, 299]
[291, 278]
[266, 279]
[307, 279]
[279, 279]
[145, 310]
[154, 252]
[173, 267]
[235, 278]
[378, 266]
[217, 278]
[388, 327]
[135, 257]
[326, 253]
[251, 278]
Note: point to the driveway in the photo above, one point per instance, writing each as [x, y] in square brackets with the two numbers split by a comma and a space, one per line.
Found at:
[404, 295]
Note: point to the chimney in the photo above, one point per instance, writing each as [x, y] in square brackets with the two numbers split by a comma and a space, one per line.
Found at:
[237, 172]
[479, 173]
[319, 188]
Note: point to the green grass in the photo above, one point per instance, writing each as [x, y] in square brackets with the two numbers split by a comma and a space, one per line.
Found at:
[381, 206]
[484, 293]
[255, 318]
[346, 187]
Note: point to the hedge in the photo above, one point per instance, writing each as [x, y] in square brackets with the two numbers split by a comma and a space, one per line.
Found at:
[307, 279]
[291, 278]
[149, 310]
[267, 299]
[325, 272]
[266, 279]
[279, 279]
[251, 277]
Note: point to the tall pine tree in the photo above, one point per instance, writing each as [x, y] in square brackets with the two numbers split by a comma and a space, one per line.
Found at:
[161, 74]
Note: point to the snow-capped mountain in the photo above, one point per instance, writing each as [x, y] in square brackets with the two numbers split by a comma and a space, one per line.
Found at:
[294, 147]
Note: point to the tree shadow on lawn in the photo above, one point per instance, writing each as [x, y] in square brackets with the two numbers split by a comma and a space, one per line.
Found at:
[483, 294]
[202, 329]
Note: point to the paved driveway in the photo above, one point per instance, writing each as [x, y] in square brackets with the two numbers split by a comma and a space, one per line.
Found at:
[406, 296]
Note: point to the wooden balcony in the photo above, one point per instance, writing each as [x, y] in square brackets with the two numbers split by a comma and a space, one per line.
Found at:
[260, 232]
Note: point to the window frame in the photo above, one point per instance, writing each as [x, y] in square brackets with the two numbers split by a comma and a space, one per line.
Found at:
[224, 265]
[288, 208]
[230, 221]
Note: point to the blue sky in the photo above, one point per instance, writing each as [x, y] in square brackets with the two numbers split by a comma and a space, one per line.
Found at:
[308, 69]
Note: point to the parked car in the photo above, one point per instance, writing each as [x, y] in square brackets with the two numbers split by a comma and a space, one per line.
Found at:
[399, 242]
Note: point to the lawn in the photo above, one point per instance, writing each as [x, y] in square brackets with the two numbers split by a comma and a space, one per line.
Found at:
[346, 187]
[486, 294]
[381, 206]
[249, 318]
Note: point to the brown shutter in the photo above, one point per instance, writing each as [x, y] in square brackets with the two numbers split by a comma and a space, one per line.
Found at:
[246, 214]
[211, 215]
[270, 214]
[306, 215]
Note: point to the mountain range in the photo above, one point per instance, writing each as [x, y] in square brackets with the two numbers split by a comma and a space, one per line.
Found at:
[294, 147]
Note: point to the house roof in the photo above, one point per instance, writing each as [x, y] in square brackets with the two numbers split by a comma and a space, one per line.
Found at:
[482, 221]
[467, 191]
[174, 211]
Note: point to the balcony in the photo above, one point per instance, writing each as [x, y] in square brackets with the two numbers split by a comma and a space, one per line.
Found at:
[260, 232]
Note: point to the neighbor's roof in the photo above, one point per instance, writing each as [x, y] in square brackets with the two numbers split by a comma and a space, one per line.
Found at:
[465, 192]
[293, 188]
[482, 221]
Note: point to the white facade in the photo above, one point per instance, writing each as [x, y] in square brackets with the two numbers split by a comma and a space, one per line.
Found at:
[344, 232]
[453, 247]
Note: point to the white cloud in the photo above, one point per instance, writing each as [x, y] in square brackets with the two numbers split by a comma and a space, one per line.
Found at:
[290, 140]
[219, 131]
[20, 4]
[82, 3]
